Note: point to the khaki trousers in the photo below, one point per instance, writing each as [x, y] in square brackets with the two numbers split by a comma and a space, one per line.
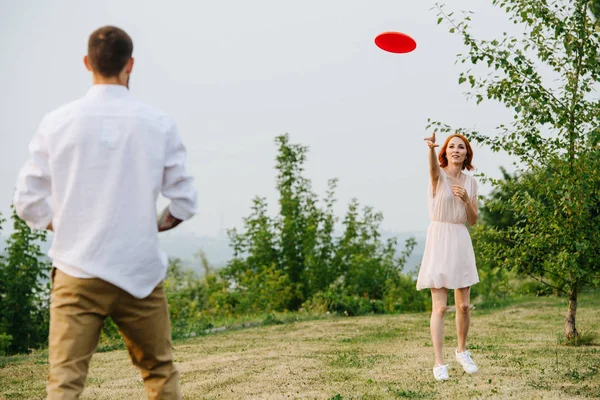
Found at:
[77, 311]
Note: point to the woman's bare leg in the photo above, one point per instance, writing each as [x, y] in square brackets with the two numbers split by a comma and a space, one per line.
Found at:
[439, 299]
[463, 316]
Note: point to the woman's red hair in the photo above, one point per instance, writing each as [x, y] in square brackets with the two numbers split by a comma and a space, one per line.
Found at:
[444, 159]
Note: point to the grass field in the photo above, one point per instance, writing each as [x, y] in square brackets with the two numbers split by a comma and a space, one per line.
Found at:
[519, 351]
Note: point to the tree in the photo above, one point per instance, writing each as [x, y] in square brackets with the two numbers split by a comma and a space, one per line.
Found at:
[299, 216]
[24, 292]
[546, 77]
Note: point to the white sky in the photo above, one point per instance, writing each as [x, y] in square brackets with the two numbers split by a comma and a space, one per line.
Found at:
[235, 74]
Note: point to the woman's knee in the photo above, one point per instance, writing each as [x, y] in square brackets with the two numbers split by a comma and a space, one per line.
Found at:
[463, 308]
[439, 311]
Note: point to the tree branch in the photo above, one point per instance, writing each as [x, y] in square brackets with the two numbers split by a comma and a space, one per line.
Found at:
[513, 67]
[546, 283]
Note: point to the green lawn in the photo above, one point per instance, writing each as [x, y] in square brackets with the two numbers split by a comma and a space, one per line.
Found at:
[518, 349]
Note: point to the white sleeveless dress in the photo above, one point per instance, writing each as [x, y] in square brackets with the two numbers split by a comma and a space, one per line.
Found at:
[449, 260]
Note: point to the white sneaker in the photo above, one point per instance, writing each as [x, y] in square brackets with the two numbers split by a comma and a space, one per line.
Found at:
[466, 361]
[440, 373]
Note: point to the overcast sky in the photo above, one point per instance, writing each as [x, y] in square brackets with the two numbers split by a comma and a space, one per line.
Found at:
[235, 74]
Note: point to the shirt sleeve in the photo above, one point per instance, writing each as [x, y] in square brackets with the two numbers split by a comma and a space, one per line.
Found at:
[177, 184]
[34, 187]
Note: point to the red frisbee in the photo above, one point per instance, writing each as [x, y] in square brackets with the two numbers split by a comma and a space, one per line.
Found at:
[395, 42]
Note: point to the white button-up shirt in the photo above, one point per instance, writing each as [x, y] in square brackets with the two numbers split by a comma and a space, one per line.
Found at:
[96, 169]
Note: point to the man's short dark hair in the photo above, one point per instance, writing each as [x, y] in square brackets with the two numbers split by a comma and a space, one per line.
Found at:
[109, 50]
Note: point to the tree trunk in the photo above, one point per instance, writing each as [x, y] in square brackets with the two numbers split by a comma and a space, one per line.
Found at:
[570, 330]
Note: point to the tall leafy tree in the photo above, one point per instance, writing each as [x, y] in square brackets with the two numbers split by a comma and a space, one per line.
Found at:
[299, 215]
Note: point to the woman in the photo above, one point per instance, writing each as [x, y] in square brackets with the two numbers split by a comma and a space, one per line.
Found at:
[449, 260]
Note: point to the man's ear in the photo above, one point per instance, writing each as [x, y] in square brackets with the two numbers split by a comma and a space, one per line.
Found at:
[129, 66]
[86, 62]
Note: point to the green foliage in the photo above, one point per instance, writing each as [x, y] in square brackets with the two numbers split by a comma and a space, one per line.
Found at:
[299, 217]
[294, 258]
[595, 9]
[365, 264]
[496, 282]
[537, 228]
[336, 300]
[110, 338]
[188, 298]
[400, 296]
[535, 288]
[24, 290]
[492, 212]
[554, 134]
[5, 339]
[268, 290]
[5, 343]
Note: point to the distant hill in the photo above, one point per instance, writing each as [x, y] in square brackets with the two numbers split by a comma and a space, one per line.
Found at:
[218, 252]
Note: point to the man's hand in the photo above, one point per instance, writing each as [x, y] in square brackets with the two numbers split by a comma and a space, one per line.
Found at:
[166, 221]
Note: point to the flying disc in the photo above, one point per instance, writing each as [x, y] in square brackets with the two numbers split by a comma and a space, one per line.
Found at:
[395, 42]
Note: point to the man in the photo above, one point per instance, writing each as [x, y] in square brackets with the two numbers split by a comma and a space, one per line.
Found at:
[96, 169]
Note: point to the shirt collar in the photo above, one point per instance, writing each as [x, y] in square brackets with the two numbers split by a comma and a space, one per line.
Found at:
[112, 90]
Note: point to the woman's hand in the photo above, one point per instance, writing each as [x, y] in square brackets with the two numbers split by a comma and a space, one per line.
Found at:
[461, 193]
[431, 141]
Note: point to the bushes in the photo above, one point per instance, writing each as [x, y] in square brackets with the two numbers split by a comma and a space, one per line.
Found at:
[335, 300]
[294, 259]
[267, 290]
[402, 296]
[24, 290]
